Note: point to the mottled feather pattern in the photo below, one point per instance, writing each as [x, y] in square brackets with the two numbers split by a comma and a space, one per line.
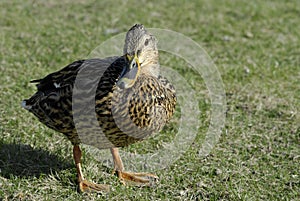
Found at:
[149, 104]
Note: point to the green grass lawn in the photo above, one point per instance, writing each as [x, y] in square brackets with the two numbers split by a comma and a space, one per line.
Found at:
[256, 48]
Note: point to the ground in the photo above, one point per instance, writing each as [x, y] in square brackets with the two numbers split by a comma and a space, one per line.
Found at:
[255, 46]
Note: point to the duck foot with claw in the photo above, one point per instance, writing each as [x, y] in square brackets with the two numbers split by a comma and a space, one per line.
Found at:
[131, 178]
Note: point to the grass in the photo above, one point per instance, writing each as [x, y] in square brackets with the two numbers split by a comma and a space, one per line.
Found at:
[255, 46]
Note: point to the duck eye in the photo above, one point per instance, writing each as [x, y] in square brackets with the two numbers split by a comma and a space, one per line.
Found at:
[133, 64]
[146, 42]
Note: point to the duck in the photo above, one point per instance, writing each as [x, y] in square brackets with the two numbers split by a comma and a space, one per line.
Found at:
[109, 103]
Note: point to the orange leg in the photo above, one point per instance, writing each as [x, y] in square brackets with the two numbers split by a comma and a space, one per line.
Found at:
[140, 179]
[84, 185]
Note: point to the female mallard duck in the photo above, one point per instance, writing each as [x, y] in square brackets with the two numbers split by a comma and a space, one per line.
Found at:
[131, 102]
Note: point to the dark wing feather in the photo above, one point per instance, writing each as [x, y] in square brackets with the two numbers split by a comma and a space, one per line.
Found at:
[62, 81]
[61, 78]
[52, 103]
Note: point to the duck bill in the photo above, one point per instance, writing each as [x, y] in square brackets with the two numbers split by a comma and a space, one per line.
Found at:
[130, 73]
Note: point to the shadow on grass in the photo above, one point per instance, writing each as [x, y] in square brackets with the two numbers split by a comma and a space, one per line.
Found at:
[24, 161]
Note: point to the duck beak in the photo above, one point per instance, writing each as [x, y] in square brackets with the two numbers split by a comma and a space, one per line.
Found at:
[130, 72]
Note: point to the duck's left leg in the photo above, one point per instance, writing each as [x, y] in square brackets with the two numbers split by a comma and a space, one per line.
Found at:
[134, 178]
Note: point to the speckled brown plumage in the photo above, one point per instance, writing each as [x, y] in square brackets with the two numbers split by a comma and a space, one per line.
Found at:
[53, 106]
